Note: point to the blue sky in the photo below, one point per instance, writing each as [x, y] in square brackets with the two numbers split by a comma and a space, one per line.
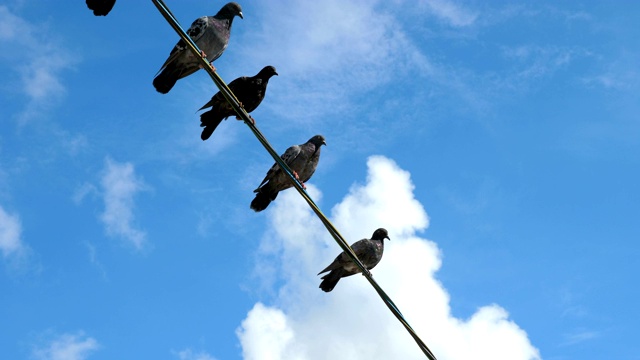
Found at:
[497, 142]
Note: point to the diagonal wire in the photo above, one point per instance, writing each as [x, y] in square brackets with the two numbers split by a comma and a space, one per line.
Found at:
[235, 104]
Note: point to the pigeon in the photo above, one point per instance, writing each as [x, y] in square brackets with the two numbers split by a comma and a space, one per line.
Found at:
[249, 90]
[100, 7]
[302, 159]
[211, 34]
[368, 251]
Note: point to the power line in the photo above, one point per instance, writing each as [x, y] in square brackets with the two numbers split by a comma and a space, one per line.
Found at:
[231, 98]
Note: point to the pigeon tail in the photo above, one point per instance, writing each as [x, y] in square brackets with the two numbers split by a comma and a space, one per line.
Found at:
[210, 121]
[330, 280]
[166, 79]
[262, 200]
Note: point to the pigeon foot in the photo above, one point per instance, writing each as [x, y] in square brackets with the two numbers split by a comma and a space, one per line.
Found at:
[295, 174]
[204, 56]
[239, 118]
[202, 53]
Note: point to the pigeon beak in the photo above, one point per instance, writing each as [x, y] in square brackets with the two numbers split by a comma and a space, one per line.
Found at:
[387, 237]
[275, 73]
[324, 143]
[240, 14]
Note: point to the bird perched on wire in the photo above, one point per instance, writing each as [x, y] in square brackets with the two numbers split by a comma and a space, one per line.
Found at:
[100, 7]
[368, 251]
[302, 159]
[211, 34]
[248, 90]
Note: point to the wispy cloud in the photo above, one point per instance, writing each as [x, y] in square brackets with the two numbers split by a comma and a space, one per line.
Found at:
[188, 354]
[22, 45]
[10, 234]
[340, 51]
[351, 322]
[451, 13]
[119, 186]
[580, 336]
[83, 191]
[67, 346]
[534, 61]
[533, 10]
[620, 74]
[93, 258]
[17, 255]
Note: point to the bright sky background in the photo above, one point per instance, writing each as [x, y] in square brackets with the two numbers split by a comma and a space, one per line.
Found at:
[498, 142]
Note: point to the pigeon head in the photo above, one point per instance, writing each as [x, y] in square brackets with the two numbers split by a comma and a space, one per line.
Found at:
[267, 72]
[229, 11]
[380, 234]
[318, 141]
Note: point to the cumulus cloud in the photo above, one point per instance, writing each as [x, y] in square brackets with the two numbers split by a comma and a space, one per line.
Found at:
[10, 232]
[352, 322]
[119, 187]
[67, 347]
[38, 80]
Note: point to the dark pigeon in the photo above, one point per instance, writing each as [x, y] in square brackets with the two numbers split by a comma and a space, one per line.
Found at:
[100, 7]
[211, 34]
[248, 90]
[302, 159]
[368, 251]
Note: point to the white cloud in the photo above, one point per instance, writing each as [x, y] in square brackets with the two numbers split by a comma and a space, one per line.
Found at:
[39, 79]
[93, 258]
[67, 347]
[119, 185]
[188, 354]
[533, 61]
[453, 14]
[579, 336]
[340, 50]
[10, 232]
[352, 322]
[620, 74]
[82, 192]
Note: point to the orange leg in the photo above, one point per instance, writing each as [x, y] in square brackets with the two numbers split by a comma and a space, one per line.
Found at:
[210, 64]
[295, 174]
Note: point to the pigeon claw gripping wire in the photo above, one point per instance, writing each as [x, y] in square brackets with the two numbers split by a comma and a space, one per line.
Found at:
[295, 174]
[238, 116]
[204, 56]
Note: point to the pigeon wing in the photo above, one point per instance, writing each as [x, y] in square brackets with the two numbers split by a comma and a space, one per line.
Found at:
[235, 86]
[288, 157]
[195, 32]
